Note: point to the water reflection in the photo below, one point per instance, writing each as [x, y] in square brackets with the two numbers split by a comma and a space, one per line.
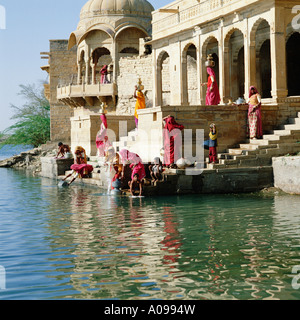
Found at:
[88, 245]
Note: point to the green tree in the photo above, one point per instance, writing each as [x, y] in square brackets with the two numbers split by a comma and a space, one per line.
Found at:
[32, 125]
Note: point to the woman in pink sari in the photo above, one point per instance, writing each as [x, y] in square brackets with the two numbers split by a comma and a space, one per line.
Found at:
[102, 142]
[136, 163]
[172, 141]
[212, 93]
[254, 114]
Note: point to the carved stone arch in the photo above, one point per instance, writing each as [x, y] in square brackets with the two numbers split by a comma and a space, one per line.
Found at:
[208, 40]
[255, 27]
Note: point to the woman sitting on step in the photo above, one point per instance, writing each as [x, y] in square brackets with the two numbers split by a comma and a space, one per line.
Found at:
[80, 167]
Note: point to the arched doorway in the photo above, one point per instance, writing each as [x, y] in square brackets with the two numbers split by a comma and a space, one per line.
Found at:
[265, 69]
[163, 79]
[100, 57]
[241, 72]
[81, 68]
[190, 75]
[293, 64]
[235, 69]
[210, 46]
[261, 35]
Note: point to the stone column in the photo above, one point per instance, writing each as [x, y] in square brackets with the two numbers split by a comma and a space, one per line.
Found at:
[115, 58]
[247, 57]
[93, 73]
[184, 80]
[158, 85]
[79, 72]
[199, 57]
[226, 84]
[176, 74]
[278, 54]
[252, 57]
[154, 79]
[87, 71]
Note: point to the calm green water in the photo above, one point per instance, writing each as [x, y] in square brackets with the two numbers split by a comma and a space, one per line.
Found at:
[78, 244]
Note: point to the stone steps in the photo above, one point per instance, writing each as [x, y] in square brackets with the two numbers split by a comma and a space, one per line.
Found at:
[259, 152]
[126, 141]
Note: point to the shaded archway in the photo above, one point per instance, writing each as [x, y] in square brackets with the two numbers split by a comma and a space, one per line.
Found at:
[265, 70]
[100, 57]
[129, 52]
[234, 64]
[210, 46]
[241, 72]
[261, 35]
[293, 64]
[81, 68]
[163, 79]
[190, 75]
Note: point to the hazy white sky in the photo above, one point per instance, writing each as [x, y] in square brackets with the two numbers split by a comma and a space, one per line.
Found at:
[30, 24]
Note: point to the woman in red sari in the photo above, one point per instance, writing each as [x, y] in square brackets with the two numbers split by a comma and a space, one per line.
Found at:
[172, 141]
[254, 114]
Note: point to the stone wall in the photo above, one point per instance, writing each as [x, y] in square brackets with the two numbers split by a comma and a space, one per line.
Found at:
[131, 69]
[231, 122]
[85, 127]
[62, 66]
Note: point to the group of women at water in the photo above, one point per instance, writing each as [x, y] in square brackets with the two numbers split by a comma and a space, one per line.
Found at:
[171, 136]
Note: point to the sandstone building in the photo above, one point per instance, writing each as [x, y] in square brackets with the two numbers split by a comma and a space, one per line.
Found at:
[253, 42]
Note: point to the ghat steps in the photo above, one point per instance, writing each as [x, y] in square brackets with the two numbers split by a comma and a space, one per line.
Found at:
[259, 152]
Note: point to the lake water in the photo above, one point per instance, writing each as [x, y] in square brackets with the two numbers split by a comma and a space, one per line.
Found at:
[76, 243]
[8, 151]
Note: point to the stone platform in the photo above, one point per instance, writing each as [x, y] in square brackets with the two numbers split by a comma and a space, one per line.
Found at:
[215, 181]
[52, 168]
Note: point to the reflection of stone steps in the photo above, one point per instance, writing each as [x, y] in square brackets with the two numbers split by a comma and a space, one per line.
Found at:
[260, 152]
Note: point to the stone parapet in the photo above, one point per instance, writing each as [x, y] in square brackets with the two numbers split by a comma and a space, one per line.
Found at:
[287, 174]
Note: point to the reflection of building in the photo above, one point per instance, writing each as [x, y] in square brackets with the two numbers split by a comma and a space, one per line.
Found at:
[253, 42]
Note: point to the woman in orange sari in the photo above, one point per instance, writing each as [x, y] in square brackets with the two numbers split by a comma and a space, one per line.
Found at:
[140, 102]
[254, 114]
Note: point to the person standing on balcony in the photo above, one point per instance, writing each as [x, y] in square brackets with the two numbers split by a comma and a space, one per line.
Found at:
[140, 102]
[104, 73]
[212, 93]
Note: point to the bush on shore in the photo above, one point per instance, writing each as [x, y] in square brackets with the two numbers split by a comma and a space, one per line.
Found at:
[32, 126]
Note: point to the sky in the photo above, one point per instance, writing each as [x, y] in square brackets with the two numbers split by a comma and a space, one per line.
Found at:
[29, 25]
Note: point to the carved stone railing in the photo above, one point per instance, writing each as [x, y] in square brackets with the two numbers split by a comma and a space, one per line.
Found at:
[162, 22]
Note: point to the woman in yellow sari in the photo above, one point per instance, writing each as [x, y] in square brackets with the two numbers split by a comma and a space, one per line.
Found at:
[140, 102]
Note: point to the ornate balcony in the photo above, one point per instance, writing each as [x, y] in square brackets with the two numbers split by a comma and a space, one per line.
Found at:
[78, 95]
